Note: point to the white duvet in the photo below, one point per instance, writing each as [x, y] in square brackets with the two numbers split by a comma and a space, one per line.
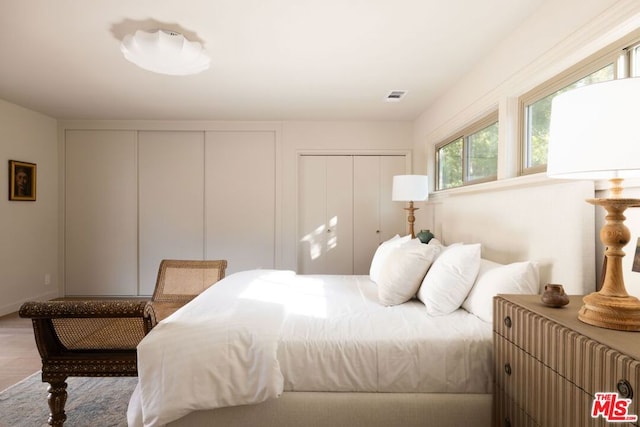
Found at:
[258, 333]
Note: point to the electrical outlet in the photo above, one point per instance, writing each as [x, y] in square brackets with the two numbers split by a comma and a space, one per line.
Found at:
[47, 279]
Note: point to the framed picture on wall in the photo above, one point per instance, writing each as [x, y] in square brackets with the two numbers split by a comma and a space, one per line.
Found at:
[22, 181]
[636, 259]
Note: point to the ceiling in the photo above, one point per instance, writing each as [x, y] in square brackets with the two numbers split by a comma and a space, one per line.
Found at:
[271, 59]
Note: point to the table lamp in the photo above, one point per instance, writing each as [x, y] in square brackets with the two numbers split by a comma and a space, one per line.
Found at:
[410, 188]
[594, 135]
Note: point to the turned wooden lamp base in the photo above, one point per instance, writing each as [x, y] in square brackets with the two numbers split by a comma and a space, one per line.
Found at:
[619, 313]
[411, 218]
[612, 307]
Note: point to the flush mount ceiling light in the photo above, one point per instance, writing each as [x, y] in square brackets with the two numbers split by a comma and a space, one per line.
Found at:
[165, 52]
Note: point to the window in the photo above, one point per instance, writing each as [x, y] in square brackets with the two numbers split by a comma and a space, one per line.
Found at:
[450, 164]
[538, 118]
[620, 60]
[482, 148]
[470, 157]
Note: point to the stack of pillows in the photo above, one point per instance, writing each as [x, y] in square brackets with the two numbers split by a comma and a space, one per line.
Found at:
[446, 278]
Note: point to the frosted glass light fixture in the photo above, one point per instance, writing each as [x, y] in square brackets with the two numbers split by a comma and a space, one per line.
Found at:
[594, 135]
[410, 188]
[165, 52]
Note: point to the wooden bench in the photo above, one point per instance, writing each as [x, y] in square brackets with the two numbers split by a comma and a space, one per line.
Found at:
[98, 338]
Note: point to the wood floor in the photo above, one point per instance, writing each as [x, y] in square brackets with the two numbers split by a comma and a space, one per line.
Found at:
[19, 356]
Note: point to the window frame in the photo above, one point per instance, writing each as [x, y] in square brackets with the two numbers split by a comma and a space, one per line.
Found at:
[633, 52]
[464, 134]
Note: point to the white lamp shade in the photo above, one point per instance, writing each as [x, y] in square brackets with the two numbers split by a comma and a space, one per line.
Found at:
[595, 132]
[410, 188]
[164, 52]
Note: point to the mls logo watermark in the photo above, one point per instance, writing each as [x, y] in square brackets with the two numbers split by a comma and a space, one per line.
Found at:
[612, 408]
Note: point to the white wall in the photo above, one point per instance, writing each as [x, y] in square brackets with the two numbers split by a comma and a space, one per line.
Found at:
[28, 230]
[559, 35]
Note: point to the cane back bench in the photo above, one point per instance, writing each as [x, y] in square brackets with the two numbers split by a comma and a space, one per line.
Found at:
[86, 339]
[98, 338]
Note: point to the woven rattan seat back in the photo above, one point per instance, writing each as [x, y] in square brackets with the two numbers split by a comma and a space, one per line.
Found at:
[106, 333]
[179, 281]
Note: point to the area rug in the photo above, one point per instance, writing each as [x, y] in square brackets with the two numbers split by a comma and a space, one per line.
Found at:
[91, 402]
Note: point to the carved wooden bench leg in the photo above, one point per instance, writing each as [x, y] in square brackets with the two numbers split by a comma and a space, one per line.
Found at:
[57, 399]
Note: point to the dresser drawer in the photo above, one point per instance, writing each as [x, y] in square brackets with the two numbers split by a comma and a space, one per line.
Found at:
[508, 414]
[548, 398]
[606, 370]
[517, 374]
[590, 365]
[520, 326]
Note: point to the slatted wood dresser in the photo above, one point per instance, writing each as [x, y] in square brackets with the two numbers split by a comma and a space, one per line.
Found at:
[549, 365]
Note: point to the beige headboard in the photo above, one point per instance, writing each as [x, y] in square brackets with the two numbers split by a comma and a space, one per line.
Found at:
[547, 222]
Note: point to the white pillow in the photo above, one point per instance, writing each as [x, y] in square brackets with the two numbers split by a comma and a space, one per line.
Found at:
[450, 279]
[435, 241]
[516, 278]
[381, 254]
[404, 270]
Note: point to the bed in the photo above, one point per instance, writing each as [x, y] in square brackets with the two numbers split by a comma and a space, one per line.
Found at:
[398, 389]
[273, 348]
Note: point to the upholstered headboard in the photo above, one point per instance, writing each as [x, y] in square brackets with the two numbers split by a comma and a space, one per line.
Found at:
[547, 222]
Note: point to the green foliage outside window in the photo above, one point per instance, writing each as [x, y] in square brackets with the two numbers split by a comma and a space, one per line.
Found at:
[450, 165]
[483, 153]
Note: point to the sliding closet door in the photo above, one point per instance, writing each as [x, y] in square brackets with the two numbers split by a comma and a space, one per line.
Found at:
[376, 218]
[100, 213]
[325, 215]
[171, 182]
[240, 198]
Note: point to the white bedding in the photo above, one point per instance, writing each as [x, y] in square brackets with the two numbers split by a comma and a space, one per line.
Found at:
[258, 333]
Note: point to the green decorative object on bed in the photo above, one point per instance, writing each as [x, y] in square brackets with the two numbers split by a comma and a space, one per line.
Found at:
[425, 236]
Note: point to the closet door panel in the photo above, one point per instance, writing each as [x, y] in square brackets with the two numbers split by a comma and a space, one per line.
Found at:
[100, 213]
[240, 198]
[171, 201]
[376, 217]
[312, 200]
[339, 215]
[366, 211]
[325, 214]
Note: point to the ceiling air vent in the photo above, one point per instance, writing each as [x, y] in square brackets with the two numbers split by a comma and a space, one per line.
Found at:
[395, 95]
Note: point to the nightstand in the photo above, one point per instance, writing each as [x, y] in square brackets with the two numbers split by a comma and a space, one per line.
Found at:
[549, 365]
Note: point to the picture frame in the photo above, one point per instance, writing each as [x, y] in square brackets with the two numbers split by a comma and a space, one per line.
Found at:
[22, 181]
[636, 259]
